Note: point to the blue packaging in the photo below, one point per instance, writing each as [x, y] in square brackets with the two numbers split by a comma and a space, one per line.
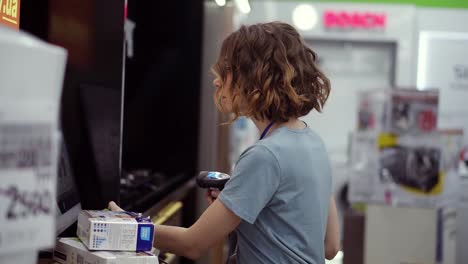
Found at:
[108, 230]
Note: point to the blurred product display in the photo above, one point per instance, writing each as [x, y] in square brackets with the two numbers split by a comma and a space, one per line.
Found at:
[408, 173]
[417, 168]
[29, 143]
[398, 111]
[400, 159]
[407, 170]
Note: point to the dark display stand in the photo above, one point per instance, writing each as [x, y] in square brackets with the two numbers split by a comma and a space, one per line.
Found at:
[92, 32]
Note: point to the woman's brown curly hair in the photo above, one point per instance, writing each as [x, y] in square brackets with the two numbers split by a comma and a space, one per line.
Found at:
[274, 75]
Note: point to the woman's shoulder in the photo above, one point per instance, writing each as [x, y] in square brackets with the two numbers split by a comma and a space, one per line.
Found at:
[259, 151]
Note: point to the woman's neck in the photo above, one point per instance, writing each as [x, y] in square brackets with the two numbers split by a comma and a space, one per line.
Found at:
[293, 123]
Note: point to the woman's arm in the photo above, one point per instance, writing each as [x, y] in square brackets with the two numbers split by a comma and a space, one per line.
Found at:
[332, 236]
[212, 226]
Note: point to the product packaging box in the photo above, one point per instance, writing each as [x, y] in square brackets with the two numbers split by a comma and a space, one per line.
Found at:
[29, 140]
[410, 235]
[72, 251]
[410, 170]
[398, 111]
[108, 230]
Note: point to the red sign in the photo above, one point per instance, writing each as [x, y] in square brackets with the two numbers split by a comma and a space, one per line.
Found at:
[427, 120]
[10, 13]
[354, 20]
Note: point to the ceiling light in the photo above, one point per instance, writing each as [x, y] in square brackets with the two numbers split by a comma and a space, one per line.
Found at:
[243, 6]
[305, 17]
[221, 2]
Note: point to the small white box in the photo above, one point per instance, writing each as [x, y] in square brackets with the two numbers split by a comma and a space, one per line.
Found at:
[72, 251]
[108, 230]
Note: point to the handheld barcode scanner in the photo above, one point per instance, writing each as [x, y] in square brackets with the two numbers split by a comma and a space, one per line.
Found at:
[212, 180]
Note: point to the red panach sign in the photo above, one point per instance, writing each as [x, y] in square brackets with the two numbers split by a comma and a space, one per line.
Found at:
[354, 20]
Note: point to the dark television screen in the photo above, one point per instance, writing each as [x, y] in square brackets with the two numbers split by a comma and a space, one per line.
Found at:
[162, 86]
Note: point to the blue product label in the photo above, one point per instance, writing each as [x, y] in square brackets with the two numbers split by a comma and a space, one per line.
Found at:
[145, 237]
[145, 233]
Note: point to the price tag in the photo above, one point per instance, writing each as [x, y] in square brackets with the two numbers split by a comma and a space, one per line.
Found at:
[28, 158]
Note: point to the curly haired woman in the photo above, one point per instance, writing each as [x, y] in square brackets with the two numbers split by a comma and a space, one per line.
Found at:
[278, 200]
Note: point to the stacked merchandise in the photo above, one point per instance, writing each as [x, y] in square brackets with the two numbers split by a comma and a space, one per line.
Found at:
[405, 169]
[398, 157]
[107, 237]
[29, 142]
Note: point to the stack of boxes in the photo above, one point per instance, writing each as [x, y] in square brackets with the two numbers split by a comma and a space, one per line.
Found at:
[406, 170]
[108, 237]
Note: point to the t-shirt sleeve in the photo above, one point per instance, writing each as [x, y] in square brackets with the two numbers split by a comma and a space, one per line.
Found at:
[253, 183]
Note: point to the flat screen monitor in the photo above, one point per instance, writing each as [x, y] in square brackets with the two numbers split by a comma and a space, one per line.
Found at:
[67, 199]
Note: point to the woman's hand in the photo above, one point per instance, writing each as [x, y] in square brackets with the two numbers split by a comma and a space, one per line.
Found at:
[114, 207]
[211, 195]
[213, 226]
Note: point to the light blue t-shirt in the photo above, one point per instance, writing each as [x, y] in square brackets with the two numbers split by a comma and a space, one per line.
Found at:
[281, 189]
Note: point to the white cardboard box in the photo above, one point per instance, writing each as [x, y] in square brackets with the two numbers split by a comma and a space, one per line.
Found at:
[29, 137]
[72, 251]
[108, 230]
[409, 235]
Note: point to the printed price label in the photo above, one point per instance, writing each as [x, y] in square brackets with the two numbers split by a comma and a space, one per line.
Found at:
[25, 146]
[28, 158]
[26, 155]
[25, 203]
